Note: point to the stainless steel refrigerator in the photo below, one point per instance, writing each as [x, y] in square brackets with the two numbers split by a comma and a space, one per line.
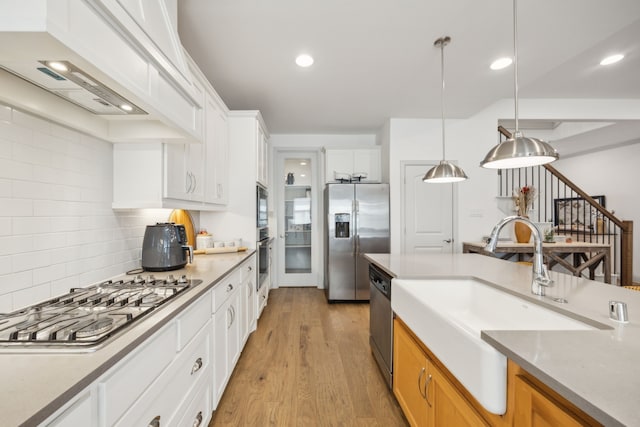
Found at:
[356, 222]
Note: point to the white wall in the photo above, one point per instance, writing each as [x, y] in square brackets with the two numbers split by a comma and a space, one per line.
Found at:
[57, 228]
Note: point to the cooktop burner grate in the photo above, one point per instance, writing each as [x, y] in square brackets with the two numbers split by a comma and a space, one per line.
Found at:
[84, 318]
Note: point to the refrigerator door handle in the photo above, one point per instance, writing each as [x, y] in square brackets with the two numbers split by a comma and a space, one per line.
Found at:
[357, 245]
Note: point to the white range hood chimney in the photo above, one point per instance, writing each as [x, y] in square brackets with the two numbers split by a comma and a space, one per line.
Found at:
[114, 69]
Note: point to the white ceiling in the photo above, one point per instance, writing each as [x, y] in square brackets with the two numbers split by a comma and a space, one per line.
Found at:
[375, 59]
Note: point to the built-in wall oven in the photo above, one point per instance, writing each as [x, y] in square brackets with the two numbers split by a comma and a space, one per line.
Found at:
[262, 236]
[264, 256]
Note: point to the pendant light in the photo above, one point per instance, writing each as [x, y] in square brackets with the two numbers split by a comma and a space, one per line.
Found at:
[445, 171]
[518, 151]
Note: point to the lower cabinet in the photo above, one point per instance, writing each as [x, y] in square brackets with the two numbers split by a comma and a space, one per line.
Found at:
[424, 393]
[431, 397]
[177, 376]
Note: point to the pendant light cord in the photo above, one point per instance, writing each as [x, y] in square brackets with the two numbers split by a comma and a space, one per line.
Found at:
[443, 41]
[515, 63]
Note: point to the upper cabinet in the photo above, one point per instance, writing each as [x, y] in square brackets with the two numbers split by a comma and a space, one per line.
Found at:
[348, 164]
[117, 51]
[262, 152]
[188, 176]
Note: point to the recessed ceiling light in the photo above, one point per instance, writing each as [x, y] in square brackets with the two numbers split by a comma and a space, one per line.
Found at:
[612, 59]
[126, 107]
[304, 60]
[501, 63]
[303, 163]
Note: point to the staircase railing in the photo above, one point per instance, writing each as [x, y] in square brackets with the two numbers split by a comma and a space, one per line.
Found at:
[570, 210]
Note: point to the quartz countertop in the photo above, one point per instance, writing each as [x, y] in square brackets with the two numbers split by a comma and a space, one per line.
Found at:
[36, 383]
[596, 370]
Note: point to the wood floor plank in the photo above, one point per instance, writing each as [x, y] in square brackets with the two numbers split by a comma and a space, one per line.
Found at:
[308, 364]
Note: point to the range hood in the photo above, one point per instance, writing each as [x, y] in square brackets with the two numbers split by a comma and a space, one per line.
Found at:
[114, 69]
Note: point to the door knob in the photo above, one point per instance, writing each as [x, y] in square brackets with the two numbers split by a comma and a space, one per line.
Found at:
[448, 240]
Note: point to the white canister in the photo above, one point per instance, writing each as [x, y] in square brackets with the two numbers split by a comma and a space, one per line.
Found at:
[204, 241]
[218, 244]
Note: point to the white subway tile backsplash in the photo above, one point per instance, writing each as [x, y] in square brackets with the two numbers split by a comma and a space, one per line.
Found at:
[15, 207]
[31, 225]
[57, 228]
[10, 169]
[16, 281]
[15, 244]
[32, 295]
[5, 265]
[49, 273]
[5, 226]
[6, 303]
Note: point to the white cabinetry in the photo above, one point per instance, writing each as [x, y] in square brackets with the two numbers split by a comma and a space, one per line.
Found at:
[352, 162]
[188, 176]
[227, 318]
[262, 153]
[80, 412]
[158, 381]
[248, 271]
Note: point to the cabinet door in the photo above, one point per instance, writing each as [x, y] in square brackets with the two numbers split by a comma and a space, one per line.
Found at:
[410, 376]
[367, 161]
[195, 171]
[533, 408]
[220, 348]
[234, 336]
[217, 156]
[447, 407]
[262, 153]
[177, 182]
[338, 161]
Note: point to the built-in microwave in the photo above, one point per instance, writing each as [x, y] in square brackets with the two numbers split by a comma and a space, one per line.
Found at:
[262, 213]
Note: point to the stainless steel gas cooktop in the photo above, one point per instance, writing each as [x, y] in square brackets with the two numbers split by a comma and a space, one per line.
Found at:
[85, 318]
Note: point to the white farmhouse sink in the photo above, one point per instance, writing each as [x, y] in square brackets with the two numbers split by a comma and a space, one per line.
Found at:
[448, 316]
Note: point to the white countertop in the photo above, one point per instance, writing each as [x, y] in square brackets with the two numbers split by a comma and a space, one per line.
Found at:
[34, 385]
[596, 370]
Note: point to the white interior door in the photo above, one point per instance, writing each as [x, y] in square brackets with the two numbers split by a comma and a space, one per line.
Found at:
[428, 212]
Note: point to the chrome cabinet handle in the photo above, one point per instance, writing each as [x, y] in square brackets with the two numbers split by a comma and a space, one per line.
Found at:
[448, 240]
[198, 420]
[426, 390]
[229, 287]
[250, 286]
[229, 318]
[195, 182]
[196, 366]
[422, 371]
[155, 422]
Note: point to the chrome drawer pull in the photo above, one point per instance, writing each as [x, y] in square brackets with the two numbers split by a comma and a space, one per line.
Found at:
[198, 420]
[196, 366]
[155, 422]
[419, 380]
[426, 389]
[229, 287]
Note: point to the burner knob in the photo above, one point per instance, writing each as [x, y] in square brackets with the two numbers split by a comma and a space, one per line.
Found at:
[170, 280]
[138, 279]
[183, 279]
[151, 279]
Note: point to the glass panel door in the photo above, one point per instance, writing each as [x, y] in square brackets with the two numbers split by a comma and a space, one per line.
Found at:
[296, 219]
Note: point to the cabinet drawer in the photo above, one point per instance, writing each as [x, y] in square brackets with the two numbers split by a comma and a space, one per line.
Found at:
[225, 288]
[170, 391]
[248, 269]
[192, 319]
[198, 412]
[78, 414]
[128, 381]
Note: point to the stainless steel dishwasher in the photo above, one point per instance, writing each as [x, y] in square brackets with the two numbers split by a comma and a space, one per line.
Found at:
[381, 321]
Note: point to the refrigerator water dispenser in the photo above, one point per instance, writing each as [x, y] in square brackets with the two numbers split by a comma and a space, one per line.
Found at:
[342, 221]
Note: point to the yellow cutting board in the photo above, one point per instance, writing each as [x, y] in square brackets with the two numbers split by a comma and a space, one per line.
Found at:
[181, 216]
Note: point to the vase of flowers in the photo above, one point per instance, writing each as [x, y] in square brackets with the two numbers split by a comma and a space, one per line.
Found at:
[523, 199]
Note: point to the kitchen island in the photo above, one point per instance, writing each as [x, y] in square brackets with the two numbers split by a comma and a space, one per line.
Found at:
[36, 383]
[594, 370]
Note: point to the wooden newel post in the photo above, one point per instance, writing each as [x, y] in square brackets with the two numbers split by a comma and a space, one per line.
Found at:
[626, 250]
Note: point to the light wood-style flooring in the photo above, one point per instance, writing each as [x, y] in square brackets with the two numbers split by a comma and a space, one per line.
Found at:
[308, 364]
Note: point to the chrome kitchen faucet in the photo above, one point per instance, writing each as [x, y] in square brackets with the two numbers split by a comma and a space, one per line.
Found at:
[541, 278]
